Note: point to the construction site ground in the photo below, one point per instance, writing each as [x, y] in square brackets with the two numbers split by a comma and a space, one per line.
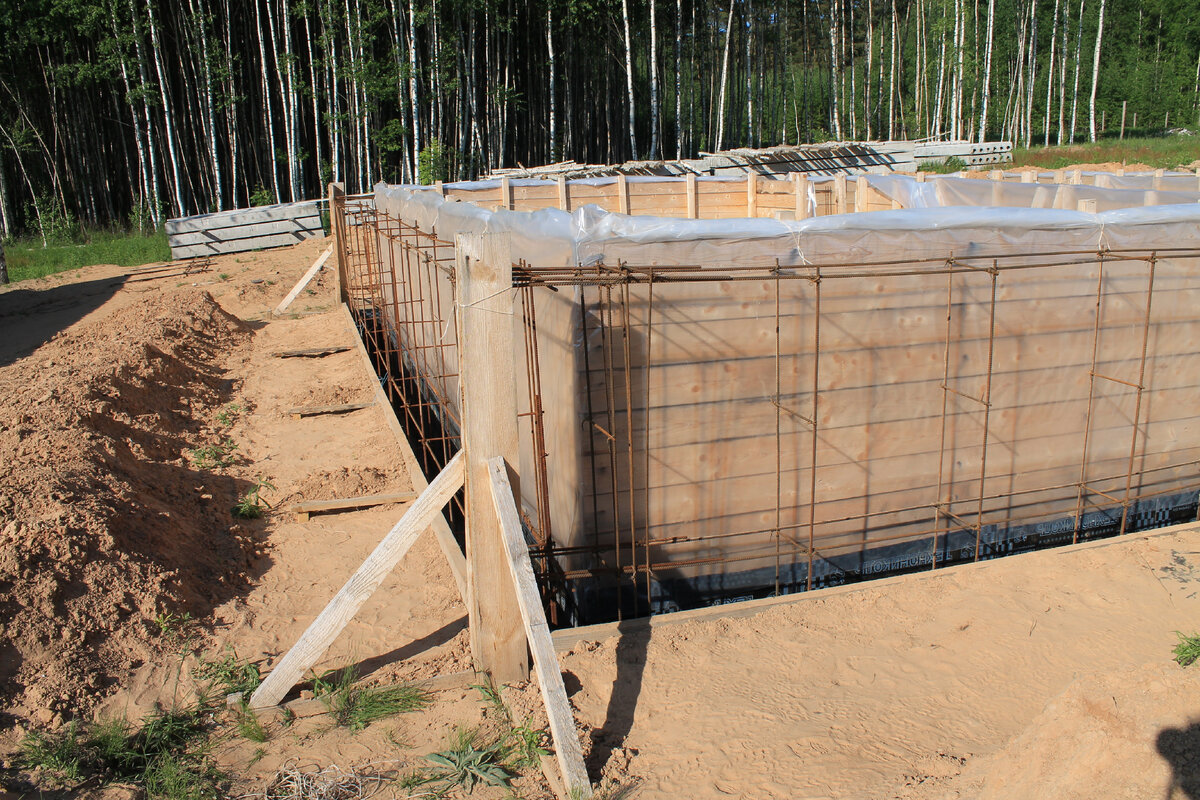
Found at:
[1039, 676]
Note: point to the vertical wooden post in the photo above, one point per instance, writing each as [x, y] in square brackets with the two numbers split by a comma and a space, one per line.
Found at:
[862, 189]
[506, 195]
[839, 194]
[751, 195]
[1087, 206]
[622, 194]
[800, 187]
[1060, 176]
[1029, 177]
[440, 186]
[1158, 178]
[921, 177]
[996, 175]
[484, 304]
[564, 200]
[337, 226]
[693, 204]
[1075, 177]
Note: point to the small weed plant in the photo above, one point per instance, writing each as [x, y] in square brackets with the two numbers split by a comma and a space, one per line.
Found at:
[355, 707]
[212, 456]
[1187, 650]
[228, 674]
[229, 414]
[469, 761]
[251, 505]
[248, 725]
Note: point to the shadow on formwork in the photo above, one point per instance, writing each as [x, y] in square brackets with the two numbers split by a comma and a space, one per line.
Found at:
[721, 407]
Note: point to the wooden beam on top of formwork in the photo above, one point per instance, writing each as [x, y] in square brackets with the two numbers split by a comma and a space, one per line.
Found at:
[484, 306]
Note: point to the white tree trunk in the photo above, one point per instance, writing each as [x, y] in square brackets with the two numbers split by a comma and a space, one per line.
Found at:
[987, 71]
[629, 79]
[553, 106]
[654, 150]
[1050, 77]
[678, 79]
[724, 76]
[168, 118]
[1078, 59]
[1095, 75]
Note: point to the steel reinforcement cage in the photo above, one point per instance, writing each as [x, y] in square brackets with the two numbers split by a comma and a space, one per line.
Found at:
[704, 474]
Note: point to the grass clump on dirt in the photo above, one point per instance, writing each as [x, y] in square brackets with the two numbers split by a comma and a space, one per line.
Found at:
[355, 706]
[27, 258]
[168, 755]
[1163, 152]
[251, 505]
[1187, 650]
[211, 456]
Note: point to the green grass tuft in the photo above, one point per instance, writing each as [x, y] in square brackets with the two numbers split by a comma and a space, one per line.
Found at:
[227, 675]
[1187, 651]
[28, 259]
[355, 707]
[168, 755]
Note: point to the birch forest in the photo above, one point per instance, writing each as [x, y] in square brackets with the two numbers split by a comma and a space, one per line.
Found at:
[118, 112]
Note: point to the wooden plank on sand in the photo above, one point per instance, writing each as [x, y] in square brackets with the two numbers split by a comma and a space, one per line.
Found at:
[303, 509]
[313, 352]
[537, 631]
[313, 643]
[314, 411]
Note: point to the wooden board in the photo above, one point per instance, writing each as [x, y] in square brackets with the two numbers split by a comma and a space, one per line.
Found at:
[303, 509]
[484, 300]
[313, 352]
[313, 643]
[304, 280]
[537, 632]
[314, 411]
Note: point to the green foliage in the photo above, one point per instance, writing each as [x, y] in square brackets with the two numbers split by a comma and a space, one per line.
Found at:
[951, 164]
[64, 756]
[1187, 650]
[431, 163]
[216, 455]
[141, 218]
[28, 259]
[251, 505]
[355, 707]
[468, 761]
[168, 755]
[248, 725]
[262, 196]
[55, 224]
[174, 628]
[228, 674]
[229, 414]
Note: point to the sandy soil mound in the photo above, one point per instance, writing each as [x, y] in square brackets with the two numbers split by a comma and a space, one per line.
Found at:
[1120, 735]
[104, 523]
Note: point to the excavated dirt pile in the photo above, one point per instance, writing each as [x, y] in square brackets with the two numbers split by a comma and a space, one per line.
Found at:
[108, 531]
